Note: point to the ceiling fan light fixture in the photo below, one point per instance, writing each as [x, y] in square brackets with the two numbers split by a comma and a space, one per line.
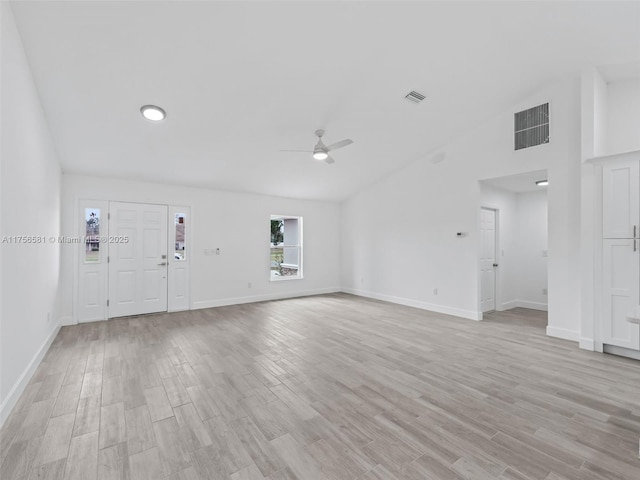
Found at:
[153, 113]
[320, 155]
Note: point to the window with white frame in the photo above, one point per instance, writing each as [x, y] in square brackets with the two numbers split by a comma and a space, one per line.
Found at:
[286, 247]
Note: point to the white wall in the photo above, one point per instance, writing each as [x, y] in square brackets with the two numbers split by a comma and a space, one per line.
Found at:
[237, 223]
[30, 205]
[623, 116]
[398, 235]
[532, 249]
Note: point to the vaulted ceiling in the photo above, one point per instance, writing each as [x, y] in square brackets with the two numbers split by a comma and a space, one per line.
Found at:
[242, 80]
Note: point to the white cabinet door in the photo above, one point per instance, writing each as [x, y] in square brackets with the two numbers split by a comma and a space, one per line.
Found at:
[137, 266]
[621, 200]
[621, 289]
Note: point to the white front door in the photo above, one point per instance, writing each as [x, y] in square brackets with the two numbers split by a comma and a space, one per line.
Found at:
[137, 259]
[487, 259]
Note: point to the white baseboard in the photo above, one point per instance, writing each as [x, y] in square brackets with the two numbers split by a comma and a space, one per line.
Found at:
[223, 302]
[19, 387]
[456, 312]
[523, 304]
[587, 344]
[563, 333]
[66, 321]
[533, 305]
[508, 305]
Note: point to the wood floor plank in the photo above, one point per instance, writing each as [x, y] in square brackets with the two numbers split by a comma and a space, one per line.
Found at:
[172, 448]
[56, 439]
[35, 423]
[91, 384]
[140, 436]
[145, 465]
[113, 463]
[67, 399]
[158, 403]
[176, 393]
[112, 425]
[259, 449]
[82, 462]
[87, 415]
[49, 471]
[193, 431]
[112, 390]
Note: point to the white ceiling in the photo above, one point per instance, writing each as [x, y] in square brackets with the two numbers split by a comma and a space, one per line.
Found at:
[519, 183]
[241, 80]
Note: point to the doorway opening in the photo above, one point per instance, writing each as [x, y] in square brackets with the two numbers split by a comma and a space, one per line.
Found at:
[513, 243]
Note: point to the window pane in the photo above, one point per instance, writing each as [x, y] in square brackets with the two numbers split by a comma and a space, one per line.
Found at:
[180, 240]
[285, 261]
[92, 235]
[286, 247]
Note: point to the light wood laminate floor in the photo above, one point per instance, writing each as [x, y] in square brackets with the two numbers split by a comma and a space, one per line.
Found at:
[328, 387]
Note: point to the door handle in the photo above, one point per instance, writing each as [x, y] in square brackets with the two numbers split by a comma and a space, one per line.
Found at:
[162, 264]
[495, 264]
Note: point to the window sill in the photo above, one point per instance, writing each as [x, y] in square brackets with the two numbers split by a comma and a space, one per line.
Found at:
[284, 278]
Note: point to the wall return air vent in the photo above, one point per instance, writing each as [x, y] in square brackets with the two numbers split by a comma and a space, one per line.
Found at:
[531, 127]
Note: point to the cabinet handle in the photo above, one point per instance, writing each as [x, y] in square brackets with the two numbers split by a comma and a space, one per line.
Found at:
[634, 231]
[634, 244]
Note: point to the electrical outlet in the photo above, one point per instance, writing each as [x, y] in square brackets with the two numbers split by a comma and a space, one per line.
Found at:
[545, 253]
[544, 291]
[48, 317]
[435, 291]
[249, 285]
[361, 280]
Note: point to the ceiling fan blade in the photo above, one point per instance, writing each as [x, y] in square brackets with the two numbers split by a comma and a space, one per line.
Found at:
[329, 160]
[299, 151]
[340, 144]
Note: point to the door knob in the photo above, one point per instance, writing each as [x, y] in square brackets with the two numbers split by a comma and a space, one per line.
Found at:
[495, 264]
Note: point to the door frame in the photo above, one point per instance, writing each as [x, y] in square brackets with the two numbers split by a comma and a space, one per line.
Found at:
[80, 203]
[496, 210]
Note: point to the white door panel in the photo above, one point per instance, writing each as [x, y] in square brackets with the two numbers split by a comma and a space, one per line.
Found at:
[487, 259]
[621, 200]
[621, 279]
[137, 268]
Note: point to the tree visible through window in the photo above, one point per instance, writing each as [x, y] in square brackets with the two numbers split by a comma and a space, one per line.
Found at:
[286, 247]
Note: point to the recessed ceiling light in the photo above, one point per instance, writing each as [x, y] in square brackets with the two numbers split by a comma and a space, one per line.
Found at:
[542, 183]
[153, 113]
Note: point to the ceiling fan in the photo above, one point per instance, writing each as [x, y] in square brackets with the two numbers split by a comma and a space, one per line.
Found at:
[321, 151]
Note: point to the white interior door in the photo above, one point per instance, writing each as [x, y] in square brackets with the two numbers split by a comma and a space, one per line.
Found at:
[621, 289]
[488, 259]
[137, 259]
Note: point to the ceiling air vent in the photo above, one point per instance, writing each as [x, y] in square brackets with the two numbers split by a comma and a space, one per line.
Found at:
[414, 97]
[531, 127]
